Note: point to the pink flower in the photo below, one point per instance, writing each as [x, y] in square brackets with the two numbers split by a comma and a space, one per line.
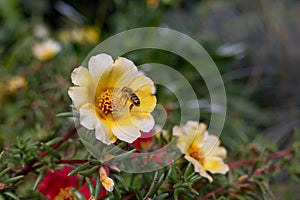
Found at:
[57, 185]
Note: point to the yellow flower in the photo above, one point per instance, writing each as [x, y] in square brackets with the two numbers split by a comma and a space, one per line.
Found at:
[91, 34]
[46, 50]
[113, 98]
[16, 83]
[202, 149]
[107, 182]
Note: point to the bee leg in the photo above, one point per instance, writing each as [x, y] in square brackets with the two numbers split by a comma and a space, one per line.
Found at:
[131, 106]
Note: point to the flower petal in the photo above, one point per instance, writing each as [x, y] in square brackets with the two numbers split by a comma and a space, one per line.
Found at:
[215, 165]
[82, 77]
[120, 74]
[143, 84]
[199, 130]
[198, 167]
[80, 96]
[210, 144]
[218, 151]
[144, 121]
[126, 133]
[108, 184]
[183, 142]
[185, 139]
[88, 116]
[127, 66]
[98, 64]
[104, 133]
[147, 103]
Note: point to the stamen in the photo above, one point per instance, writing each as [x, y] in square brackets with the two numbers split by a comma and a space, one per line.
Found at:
[105, 101]
[195, 152]
[65, 194]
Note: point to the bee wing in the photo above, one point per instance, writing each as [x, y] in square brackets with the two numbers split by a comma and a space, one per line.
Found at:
[120, 99]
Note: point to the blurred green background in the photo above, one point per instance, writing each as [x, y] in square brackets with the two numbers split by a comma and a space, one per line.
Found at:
[255, 45]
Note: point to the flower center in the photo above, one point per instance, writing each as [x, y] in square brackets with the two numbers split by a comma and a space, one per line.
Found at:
[195, 152]
[65, 194]
[104, 101]
[109, 101]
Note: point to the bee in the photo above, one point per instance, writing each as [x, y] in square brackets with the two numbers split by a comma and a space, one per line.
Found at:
[122, 96]
[134, 99]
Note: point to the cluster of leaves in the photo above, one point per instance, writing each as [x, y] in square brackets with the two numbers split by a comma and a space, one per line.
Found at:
[248, 179]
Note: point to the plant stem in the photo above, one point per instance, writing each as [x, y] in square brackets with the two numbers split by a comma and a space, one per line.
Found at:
[251, 161]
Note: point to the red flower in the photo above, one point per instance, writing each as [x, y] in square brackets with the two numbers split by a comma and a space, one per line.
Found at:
[144, 141]
[57, 185]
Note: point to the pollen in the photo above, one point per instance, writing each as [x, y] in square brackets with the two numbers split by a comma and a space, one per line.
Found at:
[105, 101]
[65, 194]
[196, 152]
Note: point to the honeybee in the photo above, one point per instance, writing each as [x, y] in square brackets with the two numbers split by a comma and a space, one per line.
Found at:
[135, 101]
[126, 95]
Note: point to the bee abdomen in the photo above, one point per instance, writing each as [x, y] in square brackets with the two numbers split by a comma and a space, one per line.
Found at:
[135, 99]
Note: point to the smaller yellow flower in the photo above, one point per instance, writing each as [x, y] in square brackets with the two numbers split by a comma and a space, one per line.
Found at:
[202, 149]
[91, 34]
[64, 35]
[77, 35]
[46, 50]
[107, 182]
[16, 83]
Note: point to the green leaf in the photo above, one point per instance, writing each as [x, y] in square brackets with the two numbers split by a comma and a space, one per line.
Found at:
[11, 195]
[161, 196]
[2, 156]
[152, 187]
[53, 141]
[4, 172]
[51, 151]
[89, 172]
[116, 192]
[1, 197]
[39, 179]
[90, 185]
[116, 149]
[176, 194]
[79, 168]
[194, 178]
[122, 181]
[192, 190]
[262, 189]
[155, 185]
[94, 161]
[67, 114]
[188, 170]
[77, 194]
[13, 179]
[98, 187]
[91, 148]
[124, 155]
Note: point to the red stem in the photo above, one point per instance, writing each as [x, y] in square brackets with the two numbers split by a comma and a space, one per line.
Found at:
[70, 161]
[251, 161]
[65, 138]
